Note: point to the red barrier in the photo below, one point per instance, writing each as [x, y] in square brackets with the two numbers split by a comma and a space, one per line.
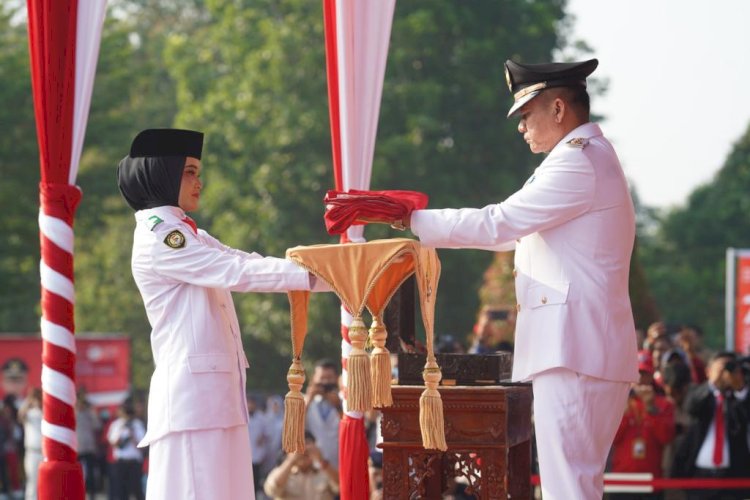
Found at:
[645, 483]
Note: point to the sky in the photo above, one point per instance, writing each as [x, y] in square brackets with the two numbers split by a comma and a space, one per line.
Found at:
[679, 87]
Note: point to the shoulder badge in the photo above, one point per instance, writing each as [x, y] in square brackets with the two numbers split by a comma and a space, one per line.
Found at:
[175, 239]
[578, 142]
[152, 222]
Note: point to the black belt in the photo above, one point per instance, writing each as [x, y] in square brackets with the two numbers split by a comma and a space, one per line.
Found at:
[701, 472]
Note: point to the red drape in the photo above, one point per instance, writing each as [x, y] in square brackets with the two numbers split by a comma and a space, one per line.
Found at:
[52, 45]
[353, 449]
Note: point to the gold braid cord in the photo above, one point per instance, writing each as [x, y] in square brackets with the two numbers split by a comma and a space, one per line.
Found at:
[380, 365]
[293, 431]
[367, 275]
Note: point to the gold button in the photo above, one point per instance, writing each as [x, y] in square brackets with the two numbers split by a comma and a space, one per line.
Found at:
[544, 300]
[518, 307]
[518, 240]
[515, 273]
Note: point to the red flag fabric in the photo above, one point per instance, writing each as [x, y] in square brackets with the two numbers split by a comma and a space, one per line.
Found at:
[356, 207]
[352, 439]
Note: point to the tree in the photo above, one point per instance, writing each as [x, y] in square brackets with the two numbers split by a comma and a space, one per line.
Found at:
[251, 74]
[260, 96]
[685, 259]
[19, 189]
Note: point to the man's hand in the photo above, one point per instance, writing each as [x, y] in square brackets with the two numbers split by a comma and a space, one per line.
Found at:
[403, 223]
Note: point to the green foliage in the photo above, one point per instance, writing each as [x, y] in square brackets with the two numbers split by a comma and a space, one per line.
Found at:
[685, 259]
[251, 74]
[253, 77]
[19, 189]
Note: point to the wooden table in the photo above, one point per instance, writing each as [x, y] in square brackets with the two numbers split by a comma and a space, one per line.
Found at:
[488, 432]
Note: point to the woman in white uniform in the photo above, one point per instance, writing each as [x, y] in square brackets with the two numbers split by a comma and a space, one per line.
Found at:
[197, 425]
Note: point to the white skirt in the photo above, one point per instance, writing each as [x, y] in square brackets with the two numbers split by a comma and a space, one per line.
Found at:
[201, 465]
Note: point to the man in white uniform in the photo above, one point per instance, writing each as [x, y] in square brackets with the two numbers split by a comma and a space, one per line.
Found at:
[572, 227]
[197, 411]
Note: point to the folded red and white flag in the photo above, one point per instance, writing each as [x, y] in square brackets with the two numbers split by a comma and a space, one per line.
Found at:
[355, 207]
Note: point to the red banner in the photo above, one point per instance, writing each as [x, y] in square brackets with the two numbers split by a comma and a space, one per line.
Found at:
[742, 305]
[102, 367]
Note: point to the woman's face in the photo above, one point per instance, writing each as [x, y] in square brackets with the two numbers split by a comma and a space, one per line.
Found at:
[190, 188]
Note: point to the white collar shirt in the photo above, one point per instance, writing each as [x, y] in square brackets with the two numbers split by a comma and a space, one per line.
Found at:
[186, 280]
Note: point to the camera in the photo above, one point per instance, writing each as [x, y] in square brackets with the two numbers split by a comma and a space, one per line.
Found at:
[331, 387]
[497, 315]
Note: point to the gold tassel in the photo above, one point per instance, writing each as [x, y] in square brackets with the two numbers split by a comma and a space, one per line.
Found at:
[293, 433]
[431, 408]
[380, 365]
[359, 395]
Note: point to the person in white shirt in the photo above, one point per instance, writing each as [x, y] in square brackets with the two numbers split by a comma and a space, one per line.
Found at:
[715, 442]
[197, 411]
[572, 226]
[124, 434]
[30, 416]
[324, 409]
[257, 426]
[274, 416]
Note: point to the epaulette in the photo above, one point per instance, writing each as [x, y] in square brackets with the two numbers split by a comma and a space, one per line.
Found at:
[578, 142]
[152, 222]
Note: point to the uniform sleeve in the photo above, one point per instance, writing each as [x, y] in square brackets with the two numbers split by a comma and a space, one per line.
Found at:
[205, 265]
[561, 190]
[214, 243]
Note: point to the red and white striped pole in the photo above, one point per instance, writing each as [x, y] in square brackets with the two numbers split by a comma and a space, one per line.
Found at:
[64, 45]
[357, 33]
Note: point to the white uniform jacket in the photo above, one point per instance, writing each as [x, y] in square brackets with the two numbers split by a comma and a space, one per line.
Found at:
[573, 226]
[199, 379]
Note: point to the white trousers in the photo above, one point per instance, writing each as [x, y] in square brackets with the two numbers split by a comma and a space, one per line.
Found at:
[31, 461]
[575, 418]
[208, 464]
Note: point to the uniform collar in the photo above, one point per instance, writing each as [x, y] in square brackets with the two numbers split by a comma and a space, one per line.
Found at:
[163, 211]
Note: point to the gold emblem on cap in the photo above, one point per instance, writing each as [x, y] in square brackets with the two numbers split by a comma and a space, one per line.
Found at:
[175, 239]
[528, 90]
[508, 80]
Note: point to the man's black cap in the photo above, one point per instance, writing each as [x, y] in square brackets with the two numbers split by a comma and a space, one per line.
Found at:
[167, 142]
[14, 368]
[526, 81]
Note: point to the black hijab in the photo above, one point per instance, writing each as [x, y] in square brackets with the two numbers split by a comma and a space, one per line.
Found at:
[150, 182]
[151, 175]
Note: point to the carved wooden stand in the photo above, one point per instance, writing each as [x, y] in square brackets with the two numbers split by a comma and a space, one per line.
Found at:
[488, 431]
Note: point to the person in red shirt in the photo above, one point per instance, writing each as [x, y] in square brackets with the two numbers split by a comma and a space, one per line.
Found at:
[646, 428]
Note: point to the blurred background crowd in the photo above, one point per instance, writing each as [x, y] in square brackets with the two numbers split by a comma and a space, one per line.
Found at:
[669, 427]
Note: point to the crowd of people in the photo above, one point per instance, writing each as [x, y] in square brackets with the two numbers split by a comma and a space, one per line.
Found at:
[669, 427]
[687, 416]
[112, 466]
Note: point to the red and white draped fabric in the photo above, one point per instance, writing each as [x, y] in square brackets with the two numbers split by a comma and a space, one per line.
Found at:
[64, 40]
[357, 33]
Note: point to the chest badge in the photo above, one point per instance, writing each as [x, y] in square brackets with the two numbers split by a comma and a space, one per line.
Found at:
[175, 239]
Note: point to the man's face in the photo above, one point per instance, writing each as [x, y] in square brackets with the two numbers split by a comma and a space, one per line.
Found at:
[537, 124]
[324, 376]
[190, 188]
[720, 374]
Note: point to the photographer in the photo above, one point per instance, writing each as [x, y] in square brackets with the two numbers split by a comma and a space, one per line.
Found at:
[124, 434]
[715, 444]
[305, 475]
[324, 409]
